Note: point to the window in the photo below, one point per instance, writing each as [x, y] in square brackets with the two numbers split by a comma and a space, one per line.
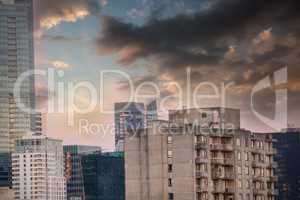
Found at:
[170, 139]
[239, 156]
[170, 154]
[238, 141]
[170, 182]
[241, 197]
[239, 183]
[248, 197]
[247, 170]
[201, 138]
[170, 168]
[170, 196]
[204, 115]
[201, 167]
[239, 169]
[201, 153]
[247, 184]
[246, 156]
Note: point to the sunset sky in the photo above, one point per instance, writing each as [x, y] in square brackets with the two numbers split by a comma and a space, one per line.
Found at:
[157, 41]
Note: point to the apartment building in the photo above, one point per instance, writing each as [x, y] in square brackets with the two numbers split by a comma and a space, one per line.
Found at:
[38, 169]
[200, 154]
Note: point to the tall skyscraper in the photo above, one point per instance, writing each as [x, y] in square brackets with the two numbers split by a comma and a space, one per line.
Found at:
[38, 169]
[128, 115]
[287, 146]
[193, 156]
[74, 170]
[151, 110]
[104, 176]
[16, 57]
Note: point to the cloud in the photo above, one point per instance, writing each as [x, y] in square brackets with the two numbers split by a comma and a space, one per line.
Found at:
[60, 64]
[53, 12]
[161, 9]
[103, 2]
[135, 13]
[60, 38]
[232, 35]
[232, 40]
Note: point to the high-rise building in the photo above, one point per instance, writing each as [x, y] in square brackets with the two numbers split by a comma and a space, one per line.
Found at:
[128, 115]
[38, 169]
[74, 171]
[287, 146]
[16, 57]
[151, 111]
[104, 176]
[195, 156]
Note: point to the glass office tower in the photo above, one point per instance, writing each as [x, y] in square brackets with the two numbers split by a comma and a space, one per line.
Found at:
[104, 176]
[74, 171]
[128, 115]
[16, 57]
[287, 146]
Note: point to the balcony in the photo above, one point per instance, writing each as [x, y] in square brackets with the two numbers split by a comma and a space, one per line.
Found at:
[224, 176]
[200, 174]
[224, 190]
[201, 145]
[221, 147]
[273, 178]
[200, 160]
[273, 192]
[258, 178]
[229, 176]
[216, 147]
[257, 151]
[256, 163]
[272, 165]
[228, 147]
[220, 134]
[229, 161]
[258, 191]
[217, 161]
[202, 188]
[271, 151]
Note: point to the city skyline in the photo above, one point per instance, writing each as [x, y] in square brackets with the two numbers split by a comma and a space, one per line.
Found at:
[156, 41]
[149, 99]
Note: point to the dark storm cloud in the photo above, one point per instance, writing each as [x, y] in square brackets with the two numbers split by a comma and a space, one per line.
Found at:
[258, 30]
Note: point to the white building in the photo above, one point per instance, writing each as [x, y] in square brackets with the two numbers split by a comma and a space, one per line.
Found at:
[38, 169]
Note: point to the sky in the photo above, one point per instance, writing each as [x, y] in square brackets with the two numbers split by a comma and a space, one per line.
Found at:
[173, 44]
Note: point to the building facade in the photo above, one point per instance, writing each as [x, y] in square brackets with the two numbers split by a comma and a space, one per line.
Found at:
[192, 157]
[74, 170]
[16, 57]
[38, 169]
[128, 115]
[287, 146]
[104, 176]
[151, 110]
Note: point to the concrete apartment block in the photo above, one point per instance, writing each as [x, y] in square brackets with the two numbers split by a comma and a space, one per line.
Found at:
[185, 162]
